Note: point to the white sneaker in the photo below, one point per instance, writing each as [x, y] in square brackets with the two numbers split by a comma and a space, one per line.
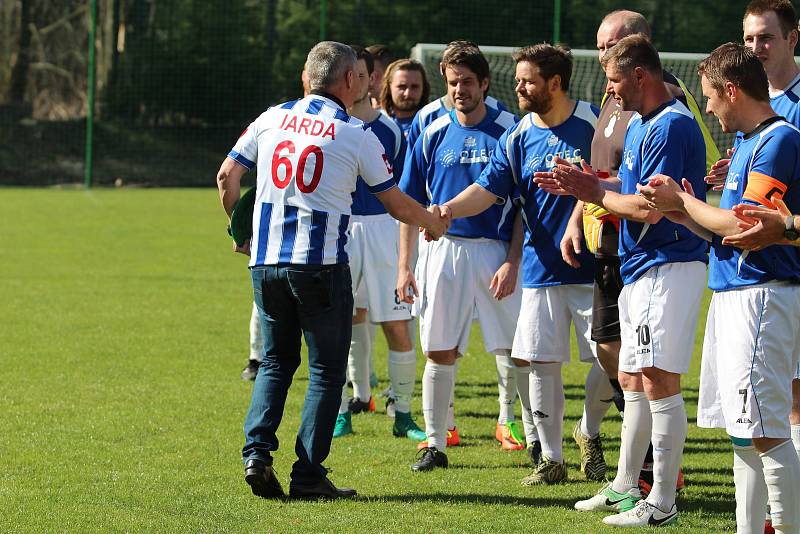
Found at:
[642, 515]
[608, 500]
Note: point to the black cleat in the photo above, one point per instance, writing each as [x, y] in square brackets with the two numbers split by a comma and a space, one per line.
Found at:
[429, 458]
[356, 405]
[262, 480]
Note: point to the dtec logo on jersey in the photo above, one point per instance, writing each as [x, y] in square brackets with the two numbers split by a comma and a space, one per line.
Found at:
[448, 158]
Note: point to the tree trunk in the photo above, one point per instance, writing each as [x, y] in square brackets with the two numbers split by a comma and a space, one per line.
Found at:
[19, 74]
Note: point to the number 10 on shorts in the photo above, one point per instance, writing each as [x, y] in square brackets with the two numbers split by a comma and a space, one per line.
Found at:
[643, 339]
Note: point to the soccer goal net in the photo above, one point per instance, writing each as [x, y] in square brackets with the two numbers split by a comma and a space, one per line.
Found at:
[588, 80]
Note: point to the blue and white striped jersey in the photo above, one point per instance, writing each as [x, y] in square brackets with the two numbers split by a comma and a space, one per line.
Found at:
[309, 153]
[394, 145]
[433, 110]
[447, 159]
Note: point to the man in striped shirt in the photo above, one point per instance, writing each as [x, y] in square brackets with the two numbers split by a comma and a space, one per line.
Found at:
[309, 153]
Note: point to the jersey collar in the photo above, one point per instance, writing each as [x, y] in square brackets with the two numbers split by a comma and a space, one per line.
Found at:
[658, 110]
[330, 97]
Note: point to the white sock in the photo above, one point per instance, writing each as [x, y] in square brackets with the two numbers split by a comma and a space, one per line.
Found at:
[599, 396]
[796, 438]
[402, 374]
[523, 388]
[371, 328]
[751, 490]
[436, 383]
[412, 330]
[451, 411]
[668, 436]
[507, 386]
[358, 361]
[637, 426]
[781, 473]
[256, 339]
[547, 403]
[344, 405]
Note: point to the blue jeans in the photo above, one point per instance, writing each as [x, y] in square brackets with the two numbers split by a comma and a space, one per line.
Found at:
[317, 302]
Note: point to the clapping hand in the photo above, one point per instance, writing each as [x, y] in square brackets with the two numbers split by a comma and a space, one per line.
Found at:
[719, 172]
[760, 226]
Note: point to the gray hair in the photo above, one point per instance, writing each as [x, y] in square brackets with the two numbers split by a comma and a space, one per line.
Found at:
[327, 63]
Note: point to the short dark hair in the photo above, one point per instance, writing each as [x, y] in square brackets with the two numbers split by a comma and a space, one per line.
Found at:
[363, 53]
[386, 92]
[381, 54]
[467, 54]
[787, 16]
[737, 64]
[550, 59]
[634, 51]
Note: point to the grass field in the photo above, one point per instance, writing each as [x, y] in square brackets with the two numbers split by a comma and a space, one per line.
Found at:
[124, 330]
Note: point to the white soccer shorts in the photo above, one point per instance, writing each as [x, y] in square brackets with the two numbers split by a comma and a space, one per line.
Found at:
[749, 358]
[456, 274]
[542, 333]
[658, 317]
[373, 265]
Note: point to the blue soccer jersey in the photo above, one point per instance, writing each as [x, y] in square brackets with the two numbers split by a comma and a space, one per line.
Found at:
[390, 136]
[523, 150]
[404, 125]
[786, 103]
[765, 166]
[433, 110]
[447, 159]
[666, 141]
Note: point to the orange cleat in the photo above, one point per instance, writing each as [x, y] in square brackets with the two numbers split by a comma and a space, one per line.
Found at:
[509, 436]
[452, 440]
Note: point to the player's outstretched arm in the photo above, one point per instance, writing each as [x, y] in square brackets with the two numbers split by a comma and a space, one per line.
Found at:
[405, 209]
[471, 201]
[504, 281]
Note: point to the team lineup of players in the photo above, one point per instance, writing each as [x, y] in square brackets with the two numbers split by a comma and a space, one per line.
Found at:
[595, 219]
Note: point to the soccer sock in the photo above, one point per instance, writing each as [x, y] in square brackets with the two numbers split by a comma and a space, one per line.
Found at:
[358, 361]
[344, 405]
[436, 383]
[668, 436]
[781, 472]
[402, 373]
[507, 386]
[523, 388]
[599, 395]
[256, 339]
[619, 395]
[547, 403]
[796, 438]
[451, 411]
[636, 429]
[751, 490]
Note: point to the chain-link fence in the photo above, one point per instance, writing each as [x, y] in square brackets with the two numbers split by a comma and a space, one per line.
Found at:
[177, 80]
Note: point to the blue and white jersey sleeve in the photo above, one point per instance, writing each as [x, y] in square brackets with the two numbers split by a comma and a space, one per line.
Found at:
[497, 177]
[245, 151]
[374, 166]
[786, 103]
[415, 170]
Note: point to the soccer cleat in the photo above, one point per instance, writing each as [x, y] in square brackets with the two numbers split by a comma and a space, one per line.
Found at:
[250, 372]
[593, 463]
[608, 500]
[547, 472]
[356, 405]
[344, 425]
[452, 440]
[391, 411]
[643, 514]
[535, 452]
[646, 481]
[768, 528]
[429, 459]
[405, 427]
[509, 436]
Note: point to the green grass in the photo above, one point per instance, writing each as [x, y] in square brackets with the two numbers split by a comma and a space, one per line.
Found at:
[124, 330]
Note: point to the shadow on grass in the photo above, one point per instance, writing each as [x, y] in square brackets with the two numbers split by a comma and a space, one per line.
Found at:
[478, 498]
